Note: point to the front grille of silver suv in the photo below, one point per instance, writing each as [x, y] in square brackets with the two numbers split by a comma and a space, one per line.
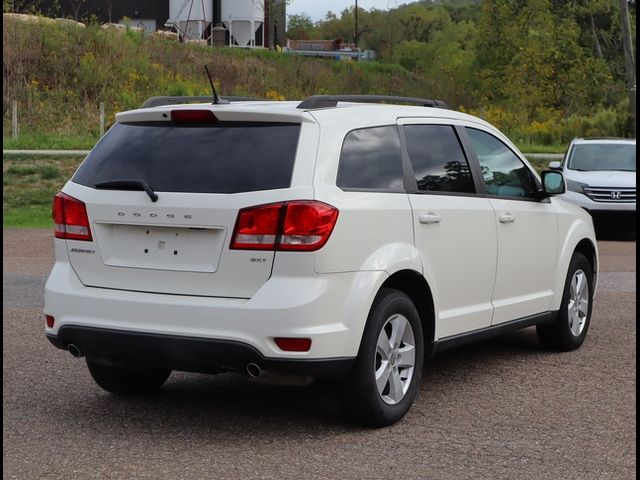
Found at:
[611, 194]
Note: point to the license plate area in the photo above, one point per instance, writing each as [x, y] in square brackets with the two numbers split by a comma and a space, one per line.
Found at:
[160, 248]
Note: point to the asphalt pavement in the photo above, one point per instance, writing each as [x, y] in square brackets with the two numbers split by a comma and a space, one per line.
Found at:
[503, 409]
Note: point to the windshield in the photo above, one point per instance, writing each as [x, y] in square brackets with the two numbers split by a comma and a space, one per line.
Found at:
[603, 156]
[225, 157]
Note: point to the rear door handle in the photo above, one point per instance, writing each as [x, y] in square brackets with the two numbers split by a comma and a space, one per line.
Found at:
[429, 218]
[507, 218]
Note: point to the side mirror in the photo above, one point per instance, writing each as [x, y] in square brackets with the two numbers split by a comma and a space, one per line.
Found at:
[552, 183]
[555, 165]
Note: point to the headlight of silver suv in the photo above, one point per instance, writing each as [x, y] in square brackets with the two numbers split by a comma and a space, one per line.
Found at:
[576, 186]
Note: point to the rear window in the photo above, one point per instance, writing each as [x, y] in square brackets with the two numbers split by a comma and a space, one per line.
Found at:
[225, 157]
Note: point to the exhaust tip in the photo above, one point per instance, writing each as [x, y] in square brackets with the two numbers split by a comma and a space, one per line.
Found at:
[73, 350]
[254, 370]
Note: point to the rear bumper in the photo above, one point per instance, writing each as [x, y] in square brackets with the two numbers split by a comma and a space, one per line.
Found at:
[330, 309]
[122, 348]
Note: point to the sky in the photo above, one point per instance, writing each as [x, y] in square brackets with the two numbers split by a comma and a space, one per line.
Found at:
[317, 9]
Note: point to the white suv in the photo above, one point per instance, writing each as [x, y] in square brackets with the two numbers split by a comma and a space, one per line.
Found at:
[601, 176]
[327, 239]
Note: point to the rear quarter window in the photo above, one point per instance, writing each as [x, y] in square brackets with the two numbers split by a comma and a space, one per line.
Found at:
[225, 157]
[371, 159]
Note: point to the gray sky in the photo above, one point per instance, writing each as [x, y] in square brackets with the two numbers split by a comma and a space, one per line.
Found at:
[317, 9]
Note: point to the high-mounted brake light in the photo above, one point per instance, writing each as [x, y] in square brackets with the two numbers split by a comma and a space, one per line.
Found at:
[299, 225]
[193, 116]
[70, 219]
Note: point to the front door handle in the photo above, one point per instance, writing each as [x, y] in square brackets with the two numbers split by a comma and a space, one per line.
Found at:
[507, 218]
[429, 218]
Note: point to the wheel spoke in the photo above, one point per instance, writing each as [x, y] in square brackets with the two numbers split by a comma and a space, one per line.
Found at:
[575, 325]
[398, 326]
[579, 283]
[395, 386]
[583, 307]
[407, 356]
[573, 291]
[384, 345]
[382, 376]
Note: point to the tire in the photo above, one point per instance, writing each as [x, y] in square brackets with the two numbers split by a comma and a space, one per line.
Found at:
[363, 399]
[127, 381]
[569, 329]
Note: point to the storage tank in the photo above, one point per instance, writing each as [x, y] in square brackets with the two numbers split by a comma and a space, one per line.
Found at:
[190, 18]
[243, 18]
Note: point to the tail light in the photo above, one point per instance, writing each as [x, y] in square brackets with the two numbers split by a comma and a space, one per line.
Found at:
[70, 218]
[300, 225]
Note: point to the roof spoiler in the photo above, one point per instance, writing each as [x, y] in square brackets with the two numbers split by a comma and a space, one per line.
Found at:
[173, 100]
[327, 101]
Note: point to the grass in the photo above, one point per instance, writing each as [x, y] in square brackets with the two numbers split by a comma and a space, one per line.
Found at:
[46, 141]
[29, 184]
[33, 217]
[60, 75]
[539, 163]
[537, 148]
[527, 147]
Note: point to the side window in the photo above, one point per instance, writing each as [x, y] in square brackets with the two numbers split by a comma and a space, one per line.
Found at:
[437, 158]
[504, 173]
[371, 158]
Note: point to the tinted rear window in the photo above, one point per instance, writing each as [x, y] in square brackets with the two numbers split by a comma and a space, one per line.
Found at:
[371, 158]
[227, 157]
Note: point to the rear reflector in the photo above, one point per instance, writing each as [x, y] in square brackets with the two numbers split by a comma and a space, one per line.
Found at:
[49, 320]
[70, 219]
[293, 344]
[299, 225]
[193, 116]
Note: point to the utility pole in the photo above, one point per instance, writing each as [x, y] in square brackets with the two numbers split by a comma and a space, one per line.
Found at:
[356, 32]
[629, 63]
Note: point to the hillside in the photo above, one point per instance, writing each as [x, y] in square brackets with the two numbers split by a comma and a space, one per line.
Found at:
[60, 73]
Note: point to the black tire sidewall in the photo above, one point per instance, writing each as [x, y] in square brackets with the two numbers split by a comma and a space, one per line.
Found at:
[566, 337]
[366, 402]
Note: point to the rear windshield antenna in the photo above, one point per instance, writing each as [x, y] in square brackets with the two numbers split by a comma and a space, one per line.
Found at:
[216, 99]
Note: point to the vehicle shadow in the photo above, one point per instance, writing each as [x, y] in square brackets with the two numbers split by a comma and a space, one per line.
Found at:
[610, 231]
[210, 405]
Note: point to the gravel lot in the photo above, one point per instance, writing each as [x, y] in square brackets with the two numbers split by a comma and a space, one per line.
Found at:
[497, 409]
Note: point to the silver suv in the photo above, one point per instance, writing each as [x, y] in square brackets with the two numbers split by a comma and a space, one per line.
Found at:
[601, 175]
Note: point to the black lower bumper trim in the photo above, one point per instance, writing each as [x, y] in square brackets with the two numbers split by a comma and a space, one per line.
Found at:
[191, 354]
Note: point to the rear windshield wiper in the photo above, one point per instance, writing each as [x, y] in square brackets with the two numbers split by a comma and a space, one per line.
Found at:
[128, 184]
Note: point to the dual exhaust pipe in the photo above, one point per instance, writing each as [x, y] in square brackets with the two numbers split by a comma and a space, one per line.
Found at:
[258, 375]
[254, 370]
[73, 350]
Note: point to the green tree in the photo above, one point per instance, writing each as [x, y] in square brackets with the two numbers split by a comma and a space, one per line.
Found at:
[299, 27]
